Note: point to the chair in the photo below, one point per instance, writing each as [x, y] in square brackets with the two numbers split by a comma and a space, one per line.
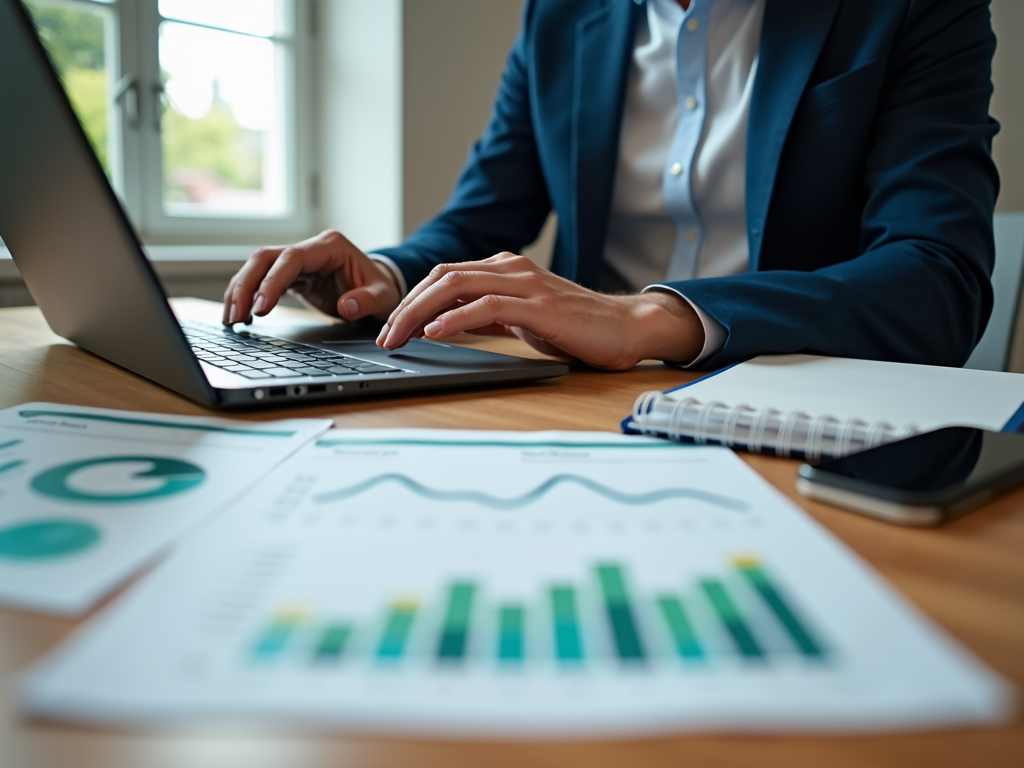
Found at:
[993, 351]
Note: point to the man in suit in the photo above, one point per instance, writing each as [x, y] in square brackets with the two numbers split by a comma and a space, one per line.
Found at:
[731, 178]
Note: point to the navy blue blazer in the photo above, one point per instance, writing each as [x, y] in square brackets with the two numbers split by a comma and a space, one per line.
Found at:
[870, 186]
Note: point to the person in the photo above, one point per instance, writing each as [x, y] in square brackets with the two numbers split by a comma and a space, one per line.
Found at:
[730, 177]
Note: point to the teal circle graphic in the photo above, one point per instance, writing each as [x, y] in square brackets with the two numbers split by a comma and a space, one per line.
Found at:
[52, 538]
[177, 477]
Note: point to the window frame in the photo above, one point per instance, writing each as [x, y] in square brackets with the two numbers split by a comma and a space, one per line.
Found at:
[136, 145]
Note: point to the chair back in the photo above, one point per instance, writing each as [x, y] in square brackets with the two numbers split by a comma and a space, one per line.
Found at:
[993, 351]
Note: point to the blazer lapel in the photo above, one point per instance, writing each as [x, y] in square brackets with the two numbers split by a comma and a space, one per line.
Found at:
[604, 42]
[792, 36]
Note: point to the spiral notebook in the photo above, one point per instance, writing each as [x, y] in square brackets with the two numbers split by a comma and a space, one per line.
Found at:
[821, 407]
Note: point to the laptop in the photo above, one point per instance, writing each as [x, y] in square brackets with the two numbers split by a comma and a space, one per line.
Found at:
[84, 266]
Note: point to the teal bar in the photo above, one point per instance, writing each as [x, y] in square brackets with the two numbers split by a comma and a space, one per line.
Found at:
[511, 627]
[455, 634]
[754, 573]
[397, 629]
[277, 634]
[620, 613]
[10, 444]
[568, 643]
[680, 628]
[730, 617]
[332, 642]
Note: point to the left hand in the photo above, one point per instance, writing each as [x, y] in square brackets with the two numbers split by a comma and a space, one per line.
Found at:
[509, 293]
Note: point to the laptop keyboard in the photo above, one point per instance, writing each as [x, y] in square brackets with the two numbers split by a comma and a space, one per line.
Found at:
[263, 357]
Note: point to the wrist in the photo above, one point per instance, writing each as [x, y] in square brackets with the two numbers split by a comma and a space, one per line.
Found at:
[667, 328]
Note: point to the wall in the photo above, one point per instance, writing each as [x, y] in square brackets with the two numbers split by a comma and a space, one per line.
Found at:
[454, 53]
[1008, 101]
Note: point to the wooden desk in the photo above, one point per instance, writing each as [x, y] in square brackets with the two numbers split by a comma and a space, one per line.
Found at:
[968, 576]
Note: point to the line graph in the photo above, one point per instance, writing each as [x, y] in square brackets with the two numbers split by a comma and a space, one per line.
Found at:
[518, 502]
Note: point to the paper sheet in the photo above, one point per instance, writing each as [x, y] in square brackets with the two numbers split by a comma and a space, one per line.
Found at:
[87, 495]
[515, 584]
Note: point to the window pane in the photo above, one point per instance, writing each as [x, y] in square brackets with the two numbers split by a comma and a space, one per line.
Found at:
[255, 17]
[76, 38]
[223, 137]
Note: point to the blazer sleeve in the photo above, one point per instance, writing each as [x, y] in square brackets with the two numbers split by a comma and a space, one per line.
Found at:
[919, 291]
[500, 201]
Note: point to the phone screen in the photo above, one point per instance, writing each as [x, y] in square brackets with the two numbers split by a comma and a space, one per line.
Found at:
[933, 463]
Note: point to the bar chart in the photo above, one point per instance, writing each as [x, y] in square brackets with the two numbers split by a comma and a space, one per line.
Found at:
[740, 615]
[535, 585]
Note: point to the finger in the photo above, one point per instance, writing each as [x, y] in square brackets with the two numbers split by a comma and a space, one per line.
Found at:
[244, 283]
[503, 263]
[372, 300]
[289, 264]
[486, 311]
[454, 287]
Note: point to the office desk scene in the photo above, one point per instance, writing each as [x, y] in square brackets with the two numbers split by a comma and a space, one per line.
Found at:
[633, 437]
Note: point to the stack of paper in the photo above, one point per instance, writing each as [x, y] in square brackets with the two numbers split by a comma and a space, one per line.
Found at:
[516, 584]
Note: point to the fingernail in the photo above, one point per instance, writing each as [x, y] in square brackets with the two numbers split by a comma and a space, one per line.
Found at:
[258, 306]
[350, 307]
[233, 314]
[433, 328]
[383, 335]
[248, 320]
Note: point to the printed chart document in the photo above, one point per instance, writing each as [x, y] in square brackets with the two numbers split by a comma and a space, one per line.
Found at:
[87, 495]
[532, 584]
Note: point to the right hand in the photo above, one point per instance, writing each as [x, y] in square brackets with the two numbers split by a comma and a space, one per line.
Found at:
[260, 283]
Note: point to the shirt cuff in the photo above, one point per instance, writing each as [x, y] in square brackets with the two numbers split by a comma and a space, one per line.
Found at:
[396, 273]
[714, 334]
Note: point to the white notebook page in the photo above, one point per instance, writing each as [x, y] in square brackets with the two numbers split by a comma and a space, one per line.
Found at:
[900, 394]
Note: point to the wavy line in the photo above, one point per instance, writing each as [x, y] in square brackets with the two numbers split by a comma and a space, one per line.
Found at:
[495, 502]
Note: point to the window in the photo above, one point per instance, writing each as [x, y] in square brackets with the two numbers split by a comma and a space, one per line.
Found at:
[197, 110]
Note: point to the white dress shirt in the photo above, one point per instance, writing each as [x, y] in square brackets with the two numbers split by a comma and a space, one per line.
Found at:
[678, 206]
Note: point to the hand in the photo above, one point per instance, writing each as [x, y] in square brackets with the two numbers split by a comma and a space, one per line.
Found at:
[509, 293]
[259, 284]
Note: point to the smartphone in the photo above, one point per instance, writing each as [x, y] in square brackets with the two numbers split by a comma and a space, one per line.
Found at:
[925, 479]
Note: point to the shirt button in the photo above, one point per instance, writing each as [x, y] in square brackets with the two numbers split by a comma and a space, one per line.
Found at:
[690, 235]
[692, 25]
[676, 169]
[691, 102]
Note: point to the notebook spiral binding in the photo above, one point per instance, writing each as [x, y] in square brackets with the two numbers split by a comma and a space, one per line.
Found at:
[741, 426]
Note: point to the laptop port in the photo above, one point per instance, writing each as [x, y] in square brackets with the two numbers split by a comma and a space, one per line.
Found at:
[277, 392]
[314, 388]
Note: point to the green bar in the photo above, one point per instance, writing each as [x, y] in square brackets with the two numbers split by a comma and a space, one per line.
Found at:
[727, 612]
[277, 634]
[397, 629]
[332, 642]
[751, 568]
[620, 613]
[456, 622]
[511, 625]
[568, 643]
[679, 625]
[10, 444]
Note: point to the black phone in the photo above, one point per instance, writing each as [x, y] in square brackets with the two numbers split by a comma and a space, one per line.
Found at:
[925, 479]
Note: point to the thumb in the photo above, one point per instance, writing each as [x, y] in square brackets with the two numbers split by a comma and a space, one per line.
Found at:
[377, 299]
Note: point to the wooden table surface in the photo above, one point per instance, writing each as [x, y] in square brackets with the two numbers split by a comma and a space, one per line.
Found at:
[968, 577]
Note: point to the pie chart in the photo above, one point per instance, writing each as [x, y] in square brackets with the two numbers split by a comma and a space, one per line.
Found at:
[127, 479]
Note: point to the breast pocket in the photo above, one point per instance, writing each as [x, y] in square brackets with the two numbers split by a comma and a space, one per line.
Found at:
[847, 87]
